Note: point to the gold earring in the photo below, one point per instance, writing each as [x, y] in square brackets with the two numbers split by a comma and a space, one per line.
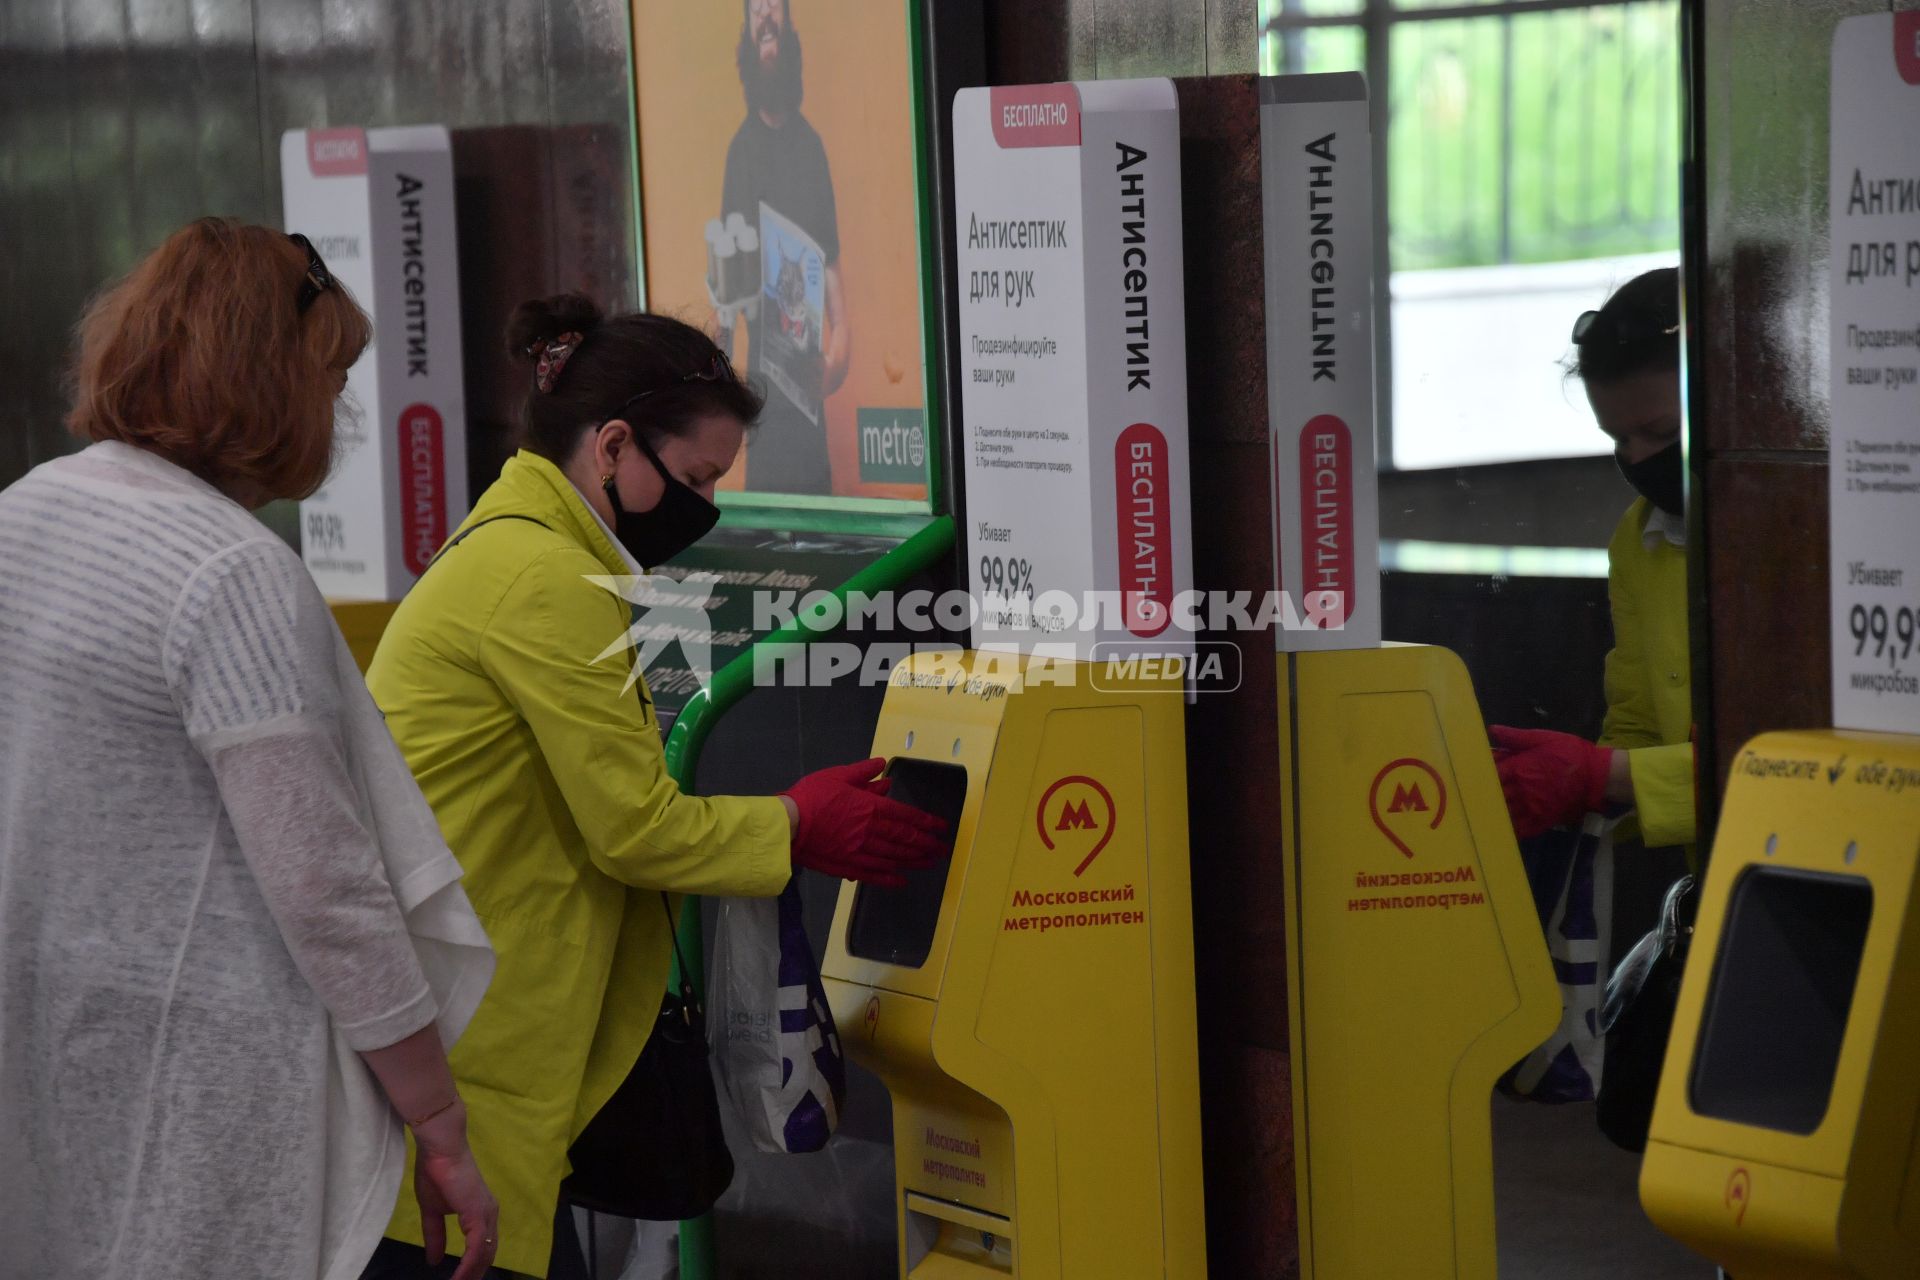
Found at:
[606, 479]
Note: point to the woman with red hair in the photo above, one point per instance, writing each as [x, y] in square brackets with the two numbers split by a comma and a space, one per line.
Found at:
[232, 941]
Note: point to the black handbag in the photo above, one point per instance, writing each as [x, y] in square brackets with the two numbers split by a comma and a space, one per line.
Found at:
[1636, 1017]
[656, 1150]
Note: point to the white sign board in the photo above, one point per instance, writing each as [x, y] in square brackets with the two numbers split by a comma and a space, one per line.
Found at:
[1874, 465]
[1316, 182]
[378, 206]
[1073, 339]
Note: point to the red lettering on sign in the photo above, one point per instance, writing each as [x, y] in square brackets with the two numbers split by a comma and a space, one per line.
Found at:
[1071, 816]
[1326, 515]
[1035, 115]
[1406, 797]
[335, 153]
[1141, 498]
[1906, 44]
[423, 494]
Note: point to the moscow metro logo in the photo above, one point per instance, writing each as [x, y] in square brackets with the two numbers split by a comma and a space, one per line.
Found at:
[1407, 796]
[1074, 817]
[1076, 813]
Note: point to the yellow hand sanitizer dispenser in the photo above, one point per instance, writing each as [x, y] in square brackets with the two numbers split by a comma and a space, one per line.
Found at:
[1029, 1004]
[1785, 1143]
[1417, 971]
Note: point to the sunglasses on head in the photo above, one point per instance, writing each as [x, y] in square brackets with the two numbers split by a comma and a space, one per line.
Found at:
[1584, 329]
[317, 280]
[719, 369]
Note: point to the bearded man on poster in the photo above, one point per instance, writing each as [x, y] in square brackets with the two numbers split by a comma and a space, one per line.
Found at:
[777, 180]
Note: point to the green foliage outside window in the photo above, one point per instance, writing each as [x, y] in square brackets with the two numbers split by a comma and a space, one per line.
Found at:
[1532, 137]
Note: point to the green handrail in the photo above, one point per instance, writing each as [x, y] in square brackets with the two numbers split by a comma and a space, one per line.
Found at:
[690, 729]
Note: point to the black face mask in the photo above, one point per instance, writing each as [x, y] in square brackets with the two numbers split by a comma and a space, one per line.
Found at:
[680, 519]
[1657, 479]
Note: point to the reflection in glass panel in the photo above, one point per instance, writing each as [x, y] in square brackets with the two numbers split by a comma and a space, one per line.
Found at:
[1534, 167]
[1298, 50]
[1528, 167]
[1538, 138]
[1279, 13]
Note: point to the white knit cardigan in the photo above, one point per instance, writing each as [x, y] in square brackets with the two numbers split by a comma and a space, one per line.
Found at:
[218, 884]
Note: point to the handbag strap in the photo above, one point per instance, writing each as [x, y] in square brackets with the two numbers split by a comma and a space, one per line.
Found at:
[673, 932]
[468, 532]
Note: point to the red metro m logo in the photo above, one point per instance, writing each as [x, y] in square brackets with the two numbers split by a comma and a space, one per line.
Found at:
[1405, 798]
[1073, 817]
[1415, 798]
[1076, 813]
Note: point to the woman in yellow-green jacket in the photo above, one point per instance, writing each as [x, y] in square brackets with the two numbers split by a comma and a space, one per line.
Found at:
[1629, 360]
[544, 763]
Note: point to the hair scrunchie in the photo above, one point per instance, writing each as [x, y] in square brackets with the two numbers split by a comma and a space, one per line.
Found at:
[553, 356]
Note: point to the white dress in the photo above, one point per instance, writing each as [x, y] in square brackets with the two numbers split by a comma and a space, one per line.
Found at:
[217, 884]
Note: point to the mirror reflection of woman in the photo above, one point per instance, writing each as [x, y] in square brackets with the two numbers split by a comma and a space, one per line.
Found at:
[507, 681]
[1628, 358]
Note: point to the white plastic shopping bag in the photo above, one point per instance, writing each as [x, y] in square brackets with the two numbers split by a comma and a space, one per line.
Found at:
[1572, 878]
[778, 1052]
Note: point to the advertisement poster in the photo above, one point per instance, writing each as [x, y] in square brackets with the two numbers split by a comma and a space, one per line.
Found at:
[1874, 464]
[780, 189]
[793, 275]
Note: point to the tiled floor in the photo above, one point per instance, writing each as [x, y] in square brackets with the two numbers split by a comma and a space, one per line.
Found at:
[1567, 1203]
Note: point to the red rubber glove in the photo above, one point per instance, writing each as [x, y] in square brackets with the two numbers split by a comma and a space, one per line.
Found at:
[1550, 779]
[848, 827]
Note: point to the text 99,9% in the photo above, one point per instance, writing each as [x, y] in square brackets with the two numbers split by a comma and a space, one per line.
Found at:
[1892, 634]
[1007, 576]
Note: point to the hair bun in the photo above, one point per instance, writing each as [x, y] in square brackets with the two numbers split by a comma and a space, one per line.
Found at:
[541, 320]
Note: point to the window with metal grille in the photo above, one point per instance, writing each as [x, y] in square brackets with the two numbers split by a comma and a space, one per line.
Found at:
[1527, 162]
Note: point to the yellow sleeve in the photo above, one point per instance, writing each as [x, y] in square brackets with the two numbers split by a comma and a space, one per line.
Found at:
[1631, 719]
[604, 748]
[1662, 771]
[1663, 793]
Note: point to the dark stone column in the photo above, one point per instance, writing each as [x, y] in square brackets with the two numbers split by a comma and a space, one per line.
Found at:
[1233, 762]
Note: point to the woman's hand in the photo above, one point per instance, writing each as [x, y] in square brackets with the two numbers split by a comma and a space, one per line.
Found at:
[844, 825]
[447, 1181]
[1550, 779]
